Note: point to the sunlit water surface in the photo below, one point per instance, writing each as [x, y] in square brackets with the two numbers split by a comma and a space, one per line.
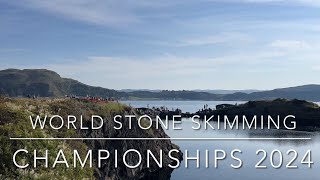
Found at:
[248, 148]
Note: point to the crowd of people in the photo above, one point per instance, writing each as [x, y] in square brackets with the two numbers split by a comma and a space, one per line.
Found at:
[92, 98]
[87, 98]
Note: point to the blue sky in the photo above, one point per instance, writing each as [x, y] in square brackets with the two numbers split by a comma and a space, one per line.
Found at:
[167, 44]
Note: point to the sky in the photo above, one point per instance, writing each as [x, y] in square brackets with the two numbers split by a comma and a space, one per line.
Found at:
[167, 44]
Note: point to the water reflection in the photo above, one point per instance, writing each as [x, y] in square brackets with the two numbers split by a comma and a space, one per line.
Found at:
[249, 157]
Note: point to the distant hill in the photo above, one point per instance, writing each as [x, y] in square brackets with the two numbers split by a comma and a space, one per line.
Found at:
[212, 91]
[133, 90]
[46, 83]
[307, 92]
[173, 95]
[224, 91]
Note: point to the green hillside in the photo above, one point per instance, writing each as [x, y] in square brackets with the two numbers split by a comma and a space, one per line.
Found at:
[46, 83]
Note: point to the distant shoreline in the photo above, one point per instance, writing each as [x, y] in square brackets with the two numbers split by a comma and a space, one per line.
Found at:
[47, 83]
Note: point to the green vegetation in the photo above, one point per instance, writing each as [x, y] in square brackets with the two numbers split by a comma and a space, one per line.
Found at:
[45, 83]
[14, 122]
[307, 114]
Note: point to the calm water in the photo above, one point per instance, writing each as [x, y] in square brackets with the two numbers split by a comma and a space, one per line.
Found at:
[248, 148]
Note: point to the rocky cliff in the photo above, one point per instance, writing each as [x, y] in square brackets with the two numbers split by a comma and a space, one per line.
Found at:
[14, 122]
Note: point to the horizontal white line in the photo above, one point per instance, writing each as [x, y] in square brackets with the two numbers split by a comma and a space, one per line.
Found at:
[182, 138]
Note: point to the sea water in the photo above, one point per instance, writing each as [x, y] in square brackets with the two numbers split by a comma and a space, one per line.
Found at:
[248, 148]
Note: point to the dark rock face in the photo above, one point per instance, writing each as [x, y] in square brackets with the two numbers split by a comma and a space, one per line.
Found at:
[108, 171]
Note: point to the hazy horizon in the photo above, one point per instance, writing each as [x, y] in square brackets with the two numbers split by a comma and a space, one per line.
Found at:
[224, 91]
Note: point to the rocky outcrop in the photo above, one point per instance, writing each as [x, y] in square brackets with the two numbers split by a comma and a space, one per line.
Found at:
[307, 114]
[14, 122]
[162, 112]
[107, 171]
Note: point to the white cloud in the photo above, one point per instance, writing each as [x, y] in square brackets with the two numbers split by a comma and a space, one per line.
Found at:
[115, 12]
[213, 39]
[189, 72]
[111, 13]
[167, 71]
[108, 13]
[203, 40]
[247, 69]
[290, 45]
[119, 67]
